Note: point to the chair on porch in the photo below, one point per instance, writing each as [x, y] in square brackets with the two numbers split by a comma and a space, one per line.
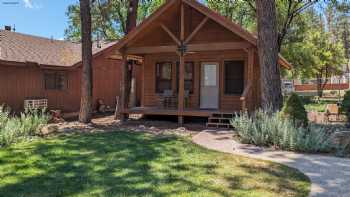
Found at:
[168, 99]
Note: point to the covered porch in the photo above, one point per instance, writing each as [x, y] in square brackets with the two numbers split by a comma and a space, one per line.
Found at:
[195, 63]
[174, 112]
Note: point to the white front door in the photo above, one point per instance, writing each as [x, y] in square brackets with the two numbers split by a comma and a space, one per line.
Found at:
[209, 86]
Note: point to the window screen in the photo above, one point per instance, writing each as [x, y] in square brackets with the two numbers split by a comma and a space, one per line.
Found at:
[234, 77]
[163, 76]
[189, 76]
[55, 80]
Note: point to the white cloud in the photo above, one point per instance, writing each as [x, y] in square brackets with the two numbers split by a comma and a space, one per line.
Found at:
[28, 4]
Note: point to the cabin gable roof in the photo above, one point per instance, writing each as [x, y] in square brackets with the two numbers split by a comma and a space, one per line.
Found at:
[236, 29]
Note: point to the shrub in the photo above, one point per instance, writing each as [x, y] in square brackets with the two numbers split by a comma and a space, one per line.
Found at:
[4, 115]
[333, 92]
[306, 99]
[265, 128]
[295, 110]
[345, 105]
[15, 128]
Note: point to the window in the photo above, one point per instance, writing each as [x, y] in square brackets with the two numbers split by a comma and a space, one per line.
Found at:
[234, 77]
[189, 76]
[163, 76]
[55, 80]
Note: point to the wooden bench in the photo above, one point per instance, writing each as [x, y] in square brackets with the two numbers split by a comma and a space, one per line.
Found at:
[332, 110]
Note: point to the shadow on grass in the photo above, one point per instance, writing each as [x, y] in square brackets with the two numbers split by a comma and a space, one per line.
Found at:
[112, 164]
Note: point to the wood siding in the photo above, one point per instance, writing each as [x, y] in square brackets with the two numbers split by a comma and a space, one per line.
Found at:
[19, 83]
[226, 102]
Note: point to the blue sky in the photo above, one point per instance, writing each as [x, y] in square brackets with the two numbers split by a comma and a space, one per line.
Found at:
[37, 17]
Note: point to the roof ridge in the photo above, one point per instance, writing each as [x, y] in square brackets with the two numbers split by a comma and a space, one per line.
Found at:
[38, 37]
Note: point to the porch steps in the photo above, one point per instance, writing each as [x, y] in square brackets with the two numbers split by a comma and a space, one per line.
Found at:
[220, 120]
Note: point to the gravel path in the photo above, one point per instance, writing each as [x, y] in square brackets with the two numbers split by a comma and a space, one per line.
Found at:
[330, 176]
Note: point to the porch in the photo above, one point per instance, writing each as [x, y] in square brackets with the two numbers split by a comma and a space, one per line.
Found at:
[175, 112]
[199, 74]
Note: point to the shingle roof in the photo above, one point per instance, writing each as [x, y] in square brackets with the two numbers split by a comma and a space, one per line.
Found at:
[18, 47]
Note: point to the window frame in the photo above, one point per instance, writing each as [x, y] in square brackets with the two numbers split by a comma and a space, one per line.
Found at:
[243, 76]
[193, 75]
[160, 79]
[56, 75]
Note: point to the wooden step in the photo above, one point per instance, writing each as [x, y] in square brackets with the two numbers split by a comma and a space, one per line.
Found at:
[222, 115]
[216, 118]
[218, 125]
[219, 120]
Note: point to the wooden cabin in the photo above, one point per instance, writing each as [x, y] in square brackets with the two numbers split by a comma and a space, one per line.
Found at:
[196, 63]
[35, 68]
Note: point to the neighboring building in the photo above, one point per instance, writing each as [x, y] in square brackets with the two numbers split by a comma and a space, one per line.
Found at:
[216, 59]
[287, 86]
[39, 68]
[340, 82]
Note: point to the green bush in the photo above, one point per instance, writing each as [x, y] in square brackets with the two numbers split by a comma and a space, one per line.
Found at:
[307, 99]
[345, 105]
[266, 128]
[16, 128]
[294, 109]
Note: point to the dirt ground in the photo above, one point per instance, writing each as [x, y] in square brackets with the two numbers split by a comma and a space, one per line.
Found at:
[108, 123]
[321, 118]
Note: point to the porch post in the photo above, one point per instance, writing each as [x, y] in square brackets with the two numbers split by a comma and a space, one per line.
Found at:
[181, 68]
[181, 88]
[123, 100]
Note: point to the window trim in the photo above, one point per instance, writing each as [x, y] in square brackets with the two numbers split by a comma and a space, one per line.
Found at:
[193, 76]
[156, 76]
[49, 72]
[224, 76]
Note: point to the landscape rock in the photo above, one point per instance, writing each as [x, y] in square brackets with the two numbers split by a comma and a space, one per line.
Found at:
[341, 138]
[49, 129]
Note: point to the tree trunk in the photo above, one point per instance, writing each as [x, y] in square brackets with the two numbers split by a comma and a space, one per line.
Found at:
[131, 23]
[131, 20]
[268, 54]
[319, 85]
[86, 75]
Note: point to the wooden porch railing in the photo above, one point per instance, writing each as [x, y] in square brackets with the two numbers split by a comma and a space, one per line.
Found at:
[245, 95]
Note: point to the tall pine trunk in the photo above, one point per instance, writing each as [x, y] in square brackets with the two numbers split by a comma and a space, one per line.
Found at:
[271, 93]
[131, 23]
[86, 75]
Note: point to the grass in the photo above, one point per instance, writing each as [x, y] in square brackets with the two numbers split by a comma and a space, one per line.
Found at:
[319, 106]
[135, 164]
[315, 107]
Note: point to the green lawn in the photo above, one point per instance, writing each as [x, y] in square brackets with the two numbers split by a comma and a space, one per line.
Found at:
[319, 106]
[316, 107]
[130, 164]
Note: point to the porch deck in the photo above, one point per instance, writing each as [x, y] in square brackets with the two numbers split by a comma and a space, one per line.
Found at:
[175, 112]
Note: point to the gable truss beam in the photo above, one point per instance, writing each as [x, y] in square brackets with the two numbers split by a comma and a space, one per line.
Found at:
[196, 30]
[233, 27]
[166, 29]
[190, 48]
[218, 46]
[152, 49]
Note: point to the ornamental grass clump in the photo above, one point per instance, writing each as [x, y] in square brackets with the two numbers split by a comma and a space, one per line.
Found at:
[16, 128]
[273, 129]
[345, 105]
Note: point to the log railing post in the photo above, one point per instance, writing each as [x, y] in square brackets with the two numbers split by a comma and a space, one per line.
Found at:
[245, 96]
